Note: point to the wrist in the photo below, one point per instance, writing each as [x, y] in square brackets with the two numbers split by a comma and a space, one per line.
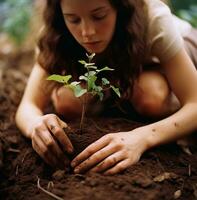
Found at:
[151, 136]
[31, 126]
[137, 136]
[146, 138]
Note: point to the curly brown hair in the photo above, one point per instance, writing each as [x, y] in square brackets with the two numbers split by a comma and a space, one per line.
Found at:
[60, 52]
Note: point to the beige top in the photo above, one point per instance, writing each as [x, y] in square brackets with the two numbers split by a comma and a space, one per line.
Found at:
[165, 32]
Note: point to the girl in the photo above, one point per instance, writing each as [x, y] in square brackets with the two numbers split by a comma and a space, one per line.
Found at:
[141, 41]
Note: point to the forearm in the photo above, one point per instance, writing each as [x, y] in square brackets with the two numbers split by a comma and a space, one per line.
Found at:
[25, 116]
[178, 125]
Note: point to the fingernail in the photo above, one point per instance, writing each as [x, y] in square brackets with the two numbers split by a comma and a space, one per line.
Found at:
[70, 150]
[76, 171]
[73, 164]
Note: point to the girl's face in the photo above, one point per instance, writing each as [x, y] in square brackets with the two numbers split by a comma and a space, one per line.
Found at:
[91, 22]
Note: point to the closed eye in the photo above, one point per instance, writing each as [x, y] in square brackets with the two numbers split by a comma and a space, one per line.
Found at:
[72, 19]
[99, 15]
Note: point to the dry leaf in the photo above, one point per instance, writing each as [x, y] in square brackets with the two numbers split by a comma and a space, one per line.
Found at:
[184, 145]
[165, 176]
[177, 194]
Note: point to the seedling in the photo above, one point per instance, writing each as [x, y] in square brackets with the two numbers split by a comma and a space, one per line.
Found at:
[90, 79]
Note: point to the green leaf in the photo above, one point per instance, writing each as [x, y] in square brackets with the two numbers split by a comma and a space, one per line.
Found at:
[100, 94]
[90, 73]
[79, 93]
[104, 69]
[98, 91]
[91, 56]
[116, 90]
[83, 78]
[75, 83]
[88, 65]
[78, 90]
[98, 88]
[91, 67]
[91, 82]
[59, 78]
[83, 62]
[105, 81]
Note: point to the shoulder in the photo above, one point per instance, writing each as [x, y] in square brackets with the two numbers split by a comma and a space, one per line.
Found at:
[163, 38]
[156, 8]
[158, 13]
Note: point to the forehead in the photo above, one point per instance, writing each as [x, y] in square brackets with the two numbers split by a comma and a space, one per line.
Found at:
[83, 5]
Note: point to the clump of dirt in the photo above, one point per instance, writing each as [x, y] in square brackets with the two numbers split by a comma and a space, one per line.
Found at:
[163, 173]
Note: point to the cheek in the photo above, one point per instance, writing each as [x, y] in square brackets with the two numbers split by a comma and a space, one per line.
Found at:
[75, 32]
[108, 27]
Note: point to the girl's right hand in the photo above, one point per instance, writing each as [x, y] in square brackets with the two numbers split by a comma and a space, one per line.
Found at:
[49, 139]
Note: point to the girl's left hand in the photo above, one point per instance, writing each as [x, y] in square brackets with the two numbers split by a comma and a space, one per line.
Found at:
[112, 153]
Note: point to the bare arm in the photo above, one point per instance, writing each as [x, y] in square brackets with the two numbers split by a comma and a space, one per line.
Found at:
[45, 131]
[35, 98]
[182, 77]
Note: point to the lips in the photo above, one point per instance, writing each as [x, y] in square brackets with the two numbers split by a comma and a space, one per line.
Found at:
[92, 43]
[95, 46]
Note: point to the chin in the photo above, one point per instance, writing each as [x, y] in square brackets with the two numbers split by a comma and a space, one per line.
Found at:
[96, 51]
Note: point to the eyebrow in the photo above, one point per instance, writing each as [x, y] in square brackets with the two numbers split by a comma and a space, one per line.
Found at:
[99, 8]
[92, 11]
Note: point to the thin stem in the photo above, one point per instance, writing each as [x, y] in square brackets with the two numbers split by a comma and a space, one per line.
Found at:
[84, 101]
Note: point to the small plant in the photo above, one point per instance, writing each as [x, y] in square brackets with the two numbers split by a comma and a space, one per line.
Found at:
[90, 78]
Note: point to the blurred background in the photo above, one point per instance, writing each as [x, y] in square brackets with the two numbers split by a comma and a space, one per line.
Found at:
[20, 19]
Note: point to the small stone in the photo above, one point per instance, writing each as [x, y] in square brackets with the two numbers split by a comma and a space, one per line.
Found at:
[93, 183]
[58, 175]
[80, 176]
[165, 176]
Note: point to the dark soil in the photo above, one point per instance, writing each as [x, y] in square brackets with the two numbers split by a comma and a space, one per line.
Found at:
[165, 172]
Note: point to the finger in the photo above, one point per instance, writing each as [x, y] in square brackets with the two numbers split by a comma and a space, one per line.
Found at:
[62, 123]
[51, 144]
[119, 167]
[65, 127]
[43, 134]
[41, 149]
[60, 135]
[108, 162]
[91, 149]
[95, 158]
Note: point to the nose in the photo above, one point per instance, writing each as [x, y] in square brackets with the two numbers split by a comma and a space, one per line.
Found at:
[88, 29]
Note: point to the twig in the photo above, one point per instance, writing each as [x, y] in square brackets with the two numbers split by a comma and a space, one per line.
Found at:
[50, 185]
[17, 166]
[14, 150]
[22, 161]
[189, 170]
[158, 161]
[47, 192]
